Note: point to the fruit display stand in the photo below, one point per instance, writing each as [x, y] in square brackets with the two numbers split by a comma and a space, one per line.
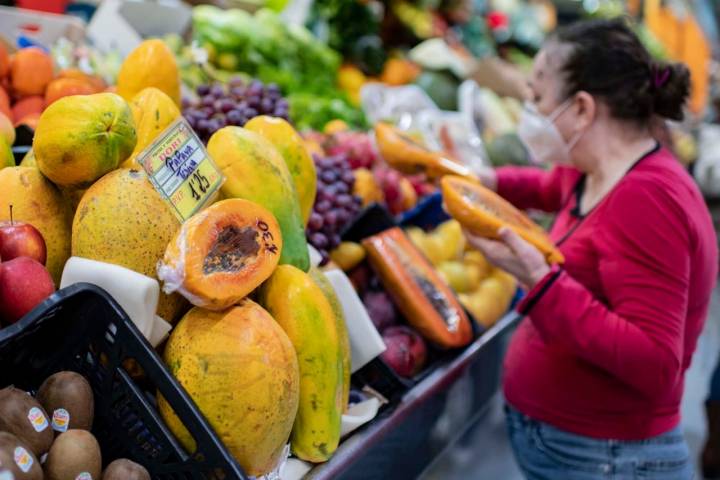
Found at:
[403, 441]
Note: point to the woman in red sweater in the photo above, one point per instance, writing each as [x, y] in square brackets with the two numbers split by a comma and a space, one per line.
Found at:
[594, 374]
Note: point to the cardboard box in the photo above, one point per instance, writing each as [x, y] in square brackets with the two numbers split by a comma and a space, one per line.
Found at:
[122, 24]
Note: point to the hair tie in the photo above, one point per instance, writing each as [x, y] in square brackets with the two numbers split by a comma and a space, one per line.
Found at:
[660, 76]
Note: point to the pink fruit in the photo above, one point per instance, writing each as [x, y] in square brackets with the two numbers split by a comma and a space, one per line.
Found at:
[24, 283]
[381, 310]
[406, 352]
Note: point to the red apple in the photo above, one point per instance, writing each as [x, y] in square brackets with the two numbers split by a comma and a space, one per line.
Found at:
[24, 283]
[20, 239]
[406, 352]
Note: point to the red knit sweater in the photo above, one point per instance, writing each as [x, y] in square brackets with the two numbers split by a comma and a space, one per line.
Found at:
[609, 336]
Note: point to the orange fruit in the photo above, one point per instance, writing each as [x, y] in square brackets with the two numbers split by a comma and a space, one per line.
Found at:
[64, 87]
[31, 70]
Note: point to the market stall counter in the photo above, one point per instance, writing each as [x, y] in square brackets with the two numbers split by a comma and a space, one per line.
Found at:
[403, 441]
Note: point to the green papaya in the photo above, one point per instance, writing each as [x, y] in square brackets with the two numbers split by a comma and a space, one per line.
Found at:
[256, 171]
[300, 307]
[345, 356]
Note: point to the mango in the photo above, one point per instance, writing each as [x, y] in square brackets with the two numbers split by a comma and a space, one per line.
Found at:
[255, 171]
[297, 157]
[461, 278]
[81, 138]
[38, 202]
[151, 64]
[304, 313]
[152, 111]
[476, 258]
[122, 220]
[348, 255]
[241, 370]
[489, 302]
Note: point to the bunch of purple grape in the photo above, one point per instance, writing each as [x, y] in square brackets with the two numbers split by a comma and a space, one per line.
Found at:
[335, 205]
[217, 106]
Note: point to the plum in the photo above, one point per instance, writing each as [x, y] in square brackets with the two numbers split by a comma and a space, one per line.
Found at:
[381, 310]
[406, 351]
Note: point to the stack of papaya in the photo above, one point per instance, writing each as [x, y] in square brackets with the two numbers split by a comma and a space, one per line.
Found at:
[259, 338]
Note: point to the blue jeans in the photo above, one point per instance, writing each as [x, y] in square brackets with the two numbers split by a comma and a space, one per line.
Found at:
[544, 452]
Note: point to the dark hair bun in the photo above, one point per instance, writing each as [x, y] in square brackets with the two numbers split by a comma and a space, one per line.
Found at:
[671, 87]
[607, 60]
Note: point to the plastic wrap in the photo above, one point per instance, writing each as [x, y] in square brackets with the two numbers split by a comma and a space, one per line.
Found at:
[399, 105]
[221, 254]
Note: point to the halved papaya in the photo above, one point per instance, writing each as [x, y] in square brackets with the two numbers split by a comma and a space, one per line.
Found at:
[222, 254]
[424, 299]
[408, 156]
[483, 212]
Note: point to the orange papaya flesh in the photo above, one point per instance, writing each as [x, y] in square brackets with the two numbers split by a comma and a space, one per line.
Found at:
[408, 156]
[222, 254]
[424, 299]
[483, 212]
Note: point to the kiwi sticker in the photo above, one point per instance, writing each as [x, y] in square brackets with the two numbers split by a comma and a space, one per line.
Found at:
[37, 419]
[23, 459]
[84, 476]
[60, 420]
[7, 476]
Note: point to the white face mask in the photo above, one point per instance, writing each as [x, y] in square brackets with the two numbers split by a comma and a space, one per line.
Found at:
[541, 136]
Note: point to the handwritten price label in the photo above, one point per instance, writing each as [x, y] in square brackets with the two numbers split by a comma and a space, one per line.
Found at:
[180, 169]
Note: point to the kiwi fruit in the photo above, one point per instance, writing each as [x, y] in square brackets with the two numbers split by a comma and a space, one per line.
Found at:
[17, 458]
[24, 417]
[75, 454]
[124, 469]
[68, 399]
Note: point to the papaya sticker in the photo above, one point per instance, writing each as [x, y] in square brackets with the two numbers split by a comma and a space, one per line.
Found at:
[61, 420]
[181, 170]
[37, 419]
[22, 459]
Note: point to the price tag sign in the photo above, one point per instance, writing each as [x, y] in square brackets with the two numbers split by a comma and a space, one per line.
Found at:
[181, 170]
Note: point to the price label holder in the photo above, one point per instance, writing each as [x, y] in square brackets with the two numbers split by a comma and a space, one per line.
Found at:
[181, 170]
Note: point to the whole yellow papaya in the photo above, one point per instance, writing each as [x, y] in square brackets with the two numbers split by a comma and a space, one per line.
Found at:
[122, 220]
[297, 157]
[82, 137]
[255, 171]
[152, 111]
[302, 310]
[151, 64]
[241, 370]
[345, 354]
[38, 202]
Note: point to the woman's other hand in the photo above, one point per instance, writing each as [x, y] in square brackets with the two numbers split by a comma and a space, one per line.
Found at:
[514, 255]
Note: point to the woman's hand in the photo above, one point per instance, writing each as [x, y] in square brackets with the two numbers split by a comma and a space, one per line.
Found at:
[514, 255]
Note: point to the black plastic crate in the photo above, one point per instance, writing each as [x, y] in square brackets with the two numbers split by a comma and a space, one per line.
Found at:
[81, 328]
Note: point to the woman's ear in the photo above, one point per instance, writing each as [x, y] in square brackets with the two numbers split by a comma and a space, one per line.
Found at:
[585, 110]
